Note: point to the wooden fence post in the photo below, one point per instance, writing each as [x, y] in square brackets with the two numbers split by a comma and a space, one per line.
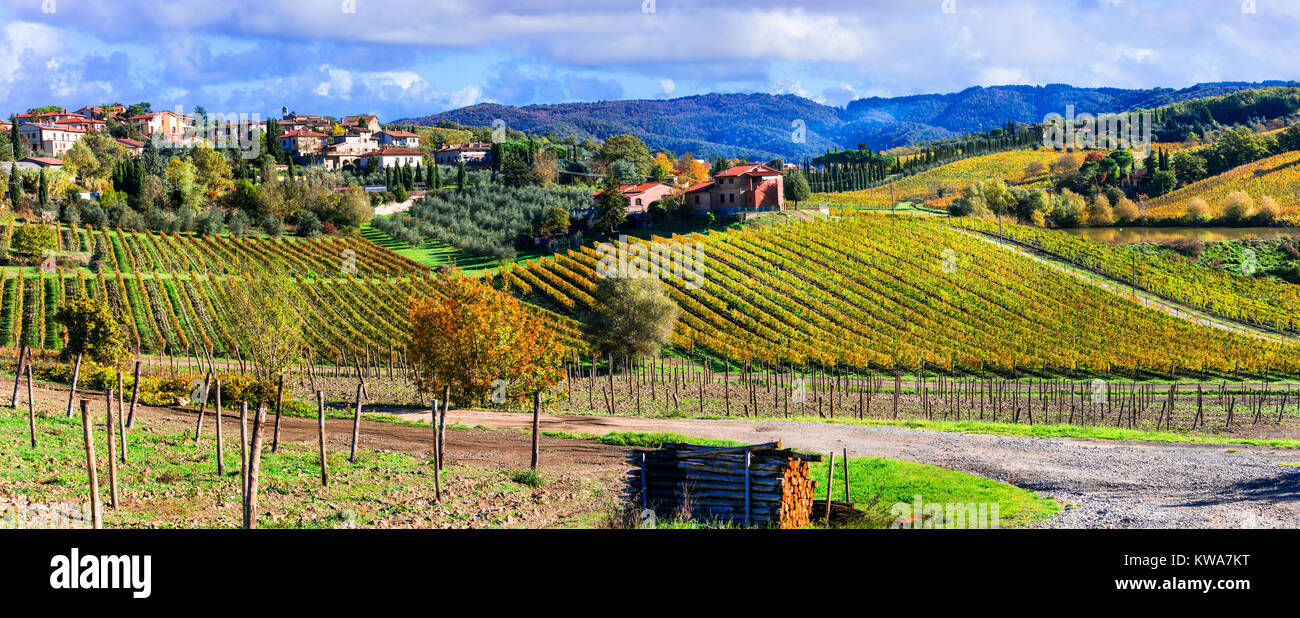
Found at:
[121, 416]
[221, 447]
[76, 373]
[112, 461]
[18, 375]
[356, 426]
[254, 466]
[243, 446]
[279, 403]
[437, 453]
[320, 407]
[135, 396]
[203, 405]
[830, 486]
[442, 426]
[537, 412]
[31, 407]
[96, 517]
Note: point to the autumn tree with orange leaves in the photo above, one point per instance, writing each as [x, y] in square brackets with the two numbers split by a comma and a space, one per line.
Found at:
[475, 336]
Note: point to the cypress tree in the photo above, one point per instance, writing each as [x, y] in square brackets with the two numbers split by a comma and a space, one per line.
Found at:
[15, 185]
[44, 189]
[437, 177]
[13, 138]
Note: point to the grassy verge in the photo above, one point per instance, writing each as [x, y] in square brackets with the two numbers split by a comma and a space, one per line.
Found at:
[170, 482]
[1054, 431]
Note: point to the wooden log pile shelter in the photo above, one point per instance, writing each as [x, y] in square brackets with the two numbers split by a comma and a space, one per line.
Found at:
[755, 485]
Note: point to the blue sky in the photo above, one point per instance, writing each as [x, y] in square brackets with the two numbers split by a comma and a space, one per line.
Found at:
[400, 58]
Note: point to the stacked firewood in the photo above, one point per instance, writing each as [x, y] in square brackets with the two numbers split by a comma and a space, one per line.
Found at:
[755, 485]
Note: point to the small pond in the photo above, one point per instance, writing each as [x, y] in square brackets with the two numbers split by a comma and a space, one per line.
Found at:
[1126, 235]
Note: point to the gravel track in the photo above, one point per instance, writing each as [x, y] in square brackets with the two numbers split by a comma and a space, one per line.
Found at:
[1105, 484]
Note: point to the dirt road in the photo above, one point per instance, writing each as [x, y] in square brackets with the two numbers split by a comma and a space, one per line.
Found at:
[1107, 484]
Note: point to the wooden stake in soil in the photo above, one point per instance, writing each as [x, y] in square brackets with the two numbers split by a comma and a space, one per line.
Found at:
[437, 453]
[279, 405]
[846, 476]
[243, 444]
[830, 485]
[254, 465]
[18, 375]
[96, 518]
[31, 407]
[356, 425]
[76, 373]
[135, 396]
[112, 461]
[198, 425]
[442, 425]
[320, 415]
[537, 412]
[121, 416]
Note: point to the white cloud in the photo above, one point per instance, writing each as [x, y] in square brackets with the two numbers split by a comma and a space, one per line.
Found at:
[668, 85]
[339, 83]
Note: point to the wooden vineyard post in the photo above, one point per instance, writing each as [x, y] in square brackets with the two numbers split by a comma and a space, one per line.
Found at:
[279, 404]
[437, 453]
[320, 416]
[135, 396]
[846, 476]
[112, 460]
[203, 405]
[254, 466]
[221, 447]
[18, 376]
[121, 416]
[92, 475]
[356, 426]
[243, 442]
[31, 407]
[442, 425]
[830, 485]
[537, 412]
[76, 373]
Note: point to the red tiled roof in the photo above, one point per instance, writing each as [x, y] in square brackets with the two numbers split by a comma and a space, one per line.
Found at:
[700, 187]
[130, 143]
[79, 120]
[50, 127]
[398, 152]
[400, 133]
[45, 160]
[749, 170]
[302, 134]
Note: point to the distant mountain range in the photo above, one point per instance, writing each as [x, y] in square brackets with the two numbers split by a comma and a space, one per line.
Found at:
[763, 126]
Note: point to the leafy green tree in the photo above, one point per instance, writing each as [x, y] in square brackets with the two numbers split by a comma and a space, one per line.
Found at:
[796, 187]
[1163, 182]
[554, 222]
[515, 171]
[611, 209]
[628, 148]
[624, 172]
[634, 316]
[92, 331]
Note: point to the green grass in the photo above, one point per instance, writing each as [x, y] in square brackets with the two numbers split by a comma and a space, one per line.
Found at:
[887, 488]
[170, 482]
[433, 253]
[1046, 431]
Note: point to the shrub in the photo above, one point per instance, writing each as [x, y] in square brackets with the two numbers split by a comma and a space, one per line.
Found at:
[32, 240]
[1238, 207]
